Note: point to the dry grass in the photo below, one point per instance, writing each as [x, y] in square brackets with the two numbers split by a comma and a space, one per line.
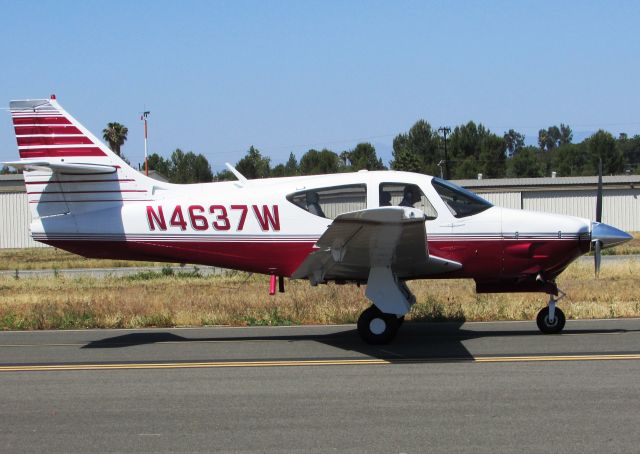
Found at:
[154, 299]
[52, 258]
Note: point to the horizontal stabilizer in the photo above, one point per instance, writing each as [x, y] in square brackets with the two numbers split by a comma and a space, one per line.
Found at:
[69, 168]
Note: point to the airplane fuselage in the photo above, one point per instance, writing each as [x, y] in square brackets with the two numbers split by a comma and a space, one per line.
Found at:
[255, 227]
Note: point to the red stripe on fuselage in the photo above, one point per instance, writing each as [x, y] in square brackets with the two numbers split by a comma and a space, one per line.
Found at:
[482, 260]
[90, 200]
[87, 192]
[78, 181]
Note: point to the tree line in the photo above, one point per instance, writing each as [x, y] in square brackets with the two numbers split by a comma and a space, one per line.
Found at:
[472, 149]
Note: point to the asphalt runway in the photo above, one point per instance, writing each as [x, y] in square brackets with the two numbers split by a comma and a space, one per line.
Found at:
[441, 387]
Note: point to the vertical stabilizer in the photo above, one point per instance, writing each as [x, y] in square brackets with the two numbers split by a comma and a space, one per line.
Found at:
[67, 168]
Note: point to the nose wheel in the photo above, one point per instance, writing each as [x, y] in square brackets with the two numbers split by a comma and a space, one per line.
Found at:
[376, 327]
[548, 325]
[551, 319]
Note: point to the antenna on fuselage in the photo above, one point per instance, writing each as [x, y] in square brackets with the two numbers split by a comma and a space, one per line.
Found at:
[234, 171]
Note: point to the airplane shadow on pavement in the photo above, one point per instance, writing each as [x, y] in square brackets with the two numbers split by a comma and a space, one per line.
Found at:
[416, 341]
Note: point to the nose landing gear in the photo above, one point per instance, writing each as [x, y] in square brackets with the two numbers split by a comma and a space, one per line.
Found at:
[551, 319]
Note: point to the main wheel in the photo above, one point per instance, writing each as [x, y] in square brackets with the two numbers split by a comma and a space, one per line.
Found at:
[550, 328]
[376, 327]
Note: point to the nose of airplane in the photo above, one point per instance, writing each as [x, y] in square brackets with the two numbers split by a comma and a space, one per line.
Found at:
[608, 236]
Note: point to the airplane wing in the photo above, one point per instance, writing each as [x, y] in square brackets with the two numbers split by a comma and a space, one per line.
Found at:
[358, 241]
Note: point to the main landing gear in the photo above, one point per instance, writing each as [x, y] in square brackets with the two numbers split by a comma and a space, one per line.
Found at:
[391, 299]
[378, 328]
[551, 319]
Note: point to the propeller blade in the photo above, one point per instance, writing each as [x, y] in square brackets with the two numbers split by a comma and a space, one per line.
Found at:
[597, 256]
[599, 194]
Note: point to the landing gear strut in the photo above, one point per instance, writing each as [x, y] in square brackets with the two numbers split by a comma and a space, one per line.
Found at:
[391, 299]
[551, 319]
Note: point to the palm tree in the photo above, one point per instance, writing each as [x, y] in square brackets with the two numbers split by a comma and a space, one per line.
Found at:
[116, 135]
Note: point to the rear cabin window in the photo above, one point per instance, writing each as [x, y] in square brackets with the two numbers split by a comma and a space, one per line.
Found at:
[406, 195]
[331, 202]
[461, 202]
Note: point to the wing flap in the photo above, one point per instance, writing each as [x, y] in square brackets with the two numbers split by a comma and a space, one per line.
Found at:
[360, 240]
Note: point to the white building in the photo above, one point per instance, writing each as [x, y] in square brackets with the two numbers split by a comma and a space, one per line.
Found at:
[14, 214]
[575, 196]
[564, 195]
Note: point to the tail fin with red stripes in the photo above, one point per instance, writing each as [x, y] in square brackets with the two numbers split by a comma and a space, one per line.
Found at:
[67, 168]
[44, 131]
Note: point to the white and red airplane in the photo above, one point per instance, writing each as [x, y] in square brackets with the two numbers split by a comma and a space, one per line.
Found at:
[381, 228]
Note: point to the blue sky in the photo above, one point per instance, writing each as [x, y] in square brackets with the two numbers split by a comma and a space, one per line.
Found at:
[289, 76]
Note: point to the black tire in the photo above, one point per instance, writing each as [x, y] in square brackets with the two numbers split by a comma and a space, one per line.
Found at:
[550, 328]
[376, 327]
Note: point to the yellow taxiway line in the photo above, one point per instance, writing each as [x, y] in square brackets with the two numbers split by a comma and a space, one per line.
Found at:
[328, 362]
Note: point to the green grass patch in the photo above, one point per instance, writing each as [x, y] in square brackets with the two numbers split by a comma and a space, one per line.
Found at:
[271, 318]
[165, 272]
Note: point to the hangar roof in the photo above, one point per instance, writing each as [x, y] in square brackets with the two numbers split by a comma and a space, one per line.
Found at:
[537, 184]
[12, 183]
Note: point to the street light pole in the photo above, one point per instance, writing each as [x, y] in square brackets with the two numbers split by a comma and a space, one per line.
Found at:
[144, 116]
[445, 130]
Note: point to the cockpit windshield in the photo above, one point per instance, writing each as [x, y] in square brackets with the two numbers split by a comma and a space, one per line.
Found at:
[461, 202]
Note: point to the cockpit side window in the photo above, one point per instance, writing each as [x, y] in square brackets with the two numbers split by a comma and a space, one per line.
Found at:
[406, 195]
[461, 202]
[331, 202]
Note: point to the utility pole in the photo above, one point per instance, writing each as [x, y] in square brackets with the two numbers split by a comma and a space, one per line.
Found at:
[144, 116]
[445, 130]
